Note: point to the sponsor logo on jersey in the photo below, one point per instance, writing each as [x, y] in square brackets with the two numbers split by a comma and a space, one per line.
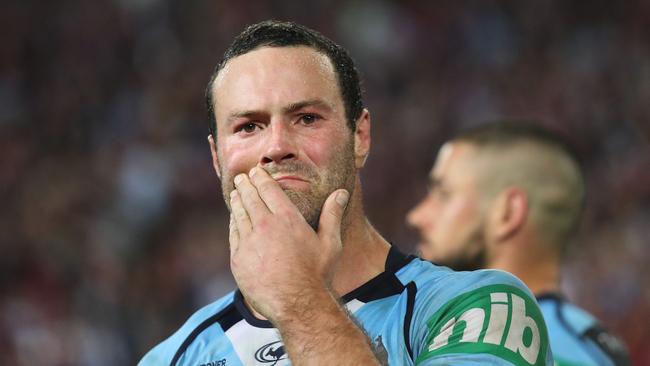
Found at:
[221, 362]
[271, 353]
[499, 320]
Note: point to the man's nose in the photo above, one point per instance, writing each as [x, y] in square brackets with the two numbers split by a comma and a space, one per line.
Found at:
[412, 218]
[417, 217]
[281, 144]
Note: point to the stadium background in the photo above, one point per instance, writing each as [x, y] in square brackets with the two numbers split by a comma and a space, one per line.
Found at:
[112, 226]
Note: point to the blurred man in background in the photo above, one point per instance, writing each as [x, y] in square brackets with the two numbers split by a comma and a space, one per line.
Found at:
[509, 196]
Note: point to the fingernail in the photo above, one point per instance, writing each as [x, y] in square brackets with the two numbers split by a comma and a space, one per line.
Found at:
[239, 178]
[252, 172]
[233, 193]
[342, 198]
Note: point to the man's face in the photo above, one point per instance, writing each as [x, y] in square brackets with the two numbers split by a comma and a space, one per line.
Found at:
[451, 218]
[280, 108]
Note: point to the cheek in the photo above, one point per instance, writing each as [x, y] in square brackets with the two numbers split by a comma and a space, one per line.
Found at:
[237, 157]
[458, 217]
[318, 149]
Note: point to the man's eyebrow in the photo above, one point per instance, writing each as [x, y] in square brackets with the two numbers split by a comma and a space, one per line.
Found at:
[294, 107]
[291, 108]
[243, 114]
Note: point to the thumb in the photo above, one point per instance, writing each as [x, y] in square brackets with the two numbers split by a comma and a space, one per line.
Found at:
[329, 225]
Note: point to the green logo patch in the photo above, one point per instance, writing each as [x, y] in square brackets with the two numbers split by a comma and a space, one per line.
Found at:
[500, 320]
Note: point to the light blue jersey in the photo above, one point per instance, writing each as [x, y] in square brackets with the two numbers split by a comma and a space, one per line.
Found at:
[577, 338]
[415, 313]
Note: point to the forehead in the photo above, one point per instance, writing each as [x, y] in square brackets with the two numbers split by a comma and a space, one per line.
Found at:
[456, 161]
[274, 76]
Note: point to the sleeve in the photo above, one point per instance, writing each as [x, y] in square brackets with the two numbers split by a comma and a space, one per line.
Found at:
[161, 355]
[164, 352]
[483, 317]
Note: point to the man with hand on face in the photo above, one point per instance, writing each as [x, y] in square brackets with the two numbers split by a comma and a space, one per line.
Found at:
[317, 284]
[509, 196]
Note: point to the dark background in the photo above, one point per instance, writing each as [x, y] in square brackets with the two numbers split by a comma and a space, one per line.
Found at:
[112, 226]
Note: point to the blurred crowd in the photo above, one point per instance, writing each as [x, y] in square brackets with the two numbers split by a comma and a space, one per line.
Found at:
[112, 226]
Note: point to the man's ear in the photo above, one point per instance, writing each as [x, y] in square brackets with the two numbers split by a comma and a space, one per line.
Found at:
[215, 158]
[510, 213]
[362, 139]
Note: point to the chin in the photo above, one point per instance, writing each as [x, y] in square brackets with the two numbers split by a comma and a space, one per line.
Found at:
[307, 205]
[422, 251]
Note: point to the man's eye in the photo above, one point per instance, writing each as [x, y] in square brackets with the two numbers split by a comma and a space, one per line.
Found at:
[248, 127]
[309, 118]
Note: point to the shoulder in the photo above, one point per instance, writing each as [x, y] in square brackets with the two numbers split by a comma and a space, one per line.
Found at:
[480, 314]
[578, 336]
[568, 316]
[426, 274]
[438, 286]
[164, 352]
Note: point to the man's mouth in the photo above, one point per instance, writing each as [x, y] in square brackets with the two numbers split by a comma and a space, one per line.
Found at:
[291, 182]
[280, 178]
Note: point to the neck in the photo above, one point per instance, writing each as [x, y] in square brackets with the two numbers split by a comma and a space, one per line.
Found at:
[534, 265]
[540, 278]
[364, 249]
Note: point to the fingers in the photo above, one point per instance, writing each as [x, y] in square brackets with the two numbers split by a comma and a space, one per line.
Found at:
[331, 216]
[250, 198]
[256, 196]
[233, 235]
[242, 221]
[269, 190]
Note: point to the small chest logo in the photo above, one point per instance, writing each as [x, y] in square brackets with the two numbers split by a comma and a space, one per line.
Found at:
[271, 353]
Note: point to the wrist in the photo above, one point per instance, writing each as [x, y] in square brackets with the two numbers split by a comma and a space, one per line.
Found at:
[303, 306]
[318, 327]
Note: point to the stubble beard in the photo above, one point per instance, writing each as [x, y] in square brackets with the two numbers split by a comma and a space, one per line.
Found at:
[471, 257]
[339, 173]
[470, 262]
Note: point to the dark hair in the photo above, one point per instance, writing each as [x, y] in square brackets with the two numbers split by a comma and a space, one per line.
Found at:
[273, 33]
[509, 131]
